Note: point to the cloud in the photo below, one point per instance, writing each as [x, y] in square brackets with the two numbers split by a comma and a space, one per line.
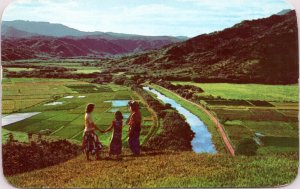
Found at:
[155, 17]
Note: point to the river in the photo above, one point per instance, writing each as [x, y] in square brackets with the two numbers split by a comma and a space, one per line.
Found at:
[202, 142]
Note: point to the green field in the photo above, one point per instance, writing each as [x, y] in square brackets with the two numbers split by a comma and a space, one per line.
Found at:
[20, 136]
[266, 113]
[87, 70]
[79, 66]
[66, 120]
[19, 69]
[249, 91]
[271, 119]
[20, 93]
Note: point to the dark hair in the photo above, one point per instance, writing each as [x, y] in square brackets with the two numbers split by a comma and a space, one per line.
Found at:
[134, 105]
[89, 108]
[118, 116]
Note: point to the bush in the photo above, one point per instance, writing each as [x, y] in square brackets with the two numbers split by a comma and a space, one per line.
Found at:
[176, 134]
[119, 80]
[168, 106]
[22, 157]
[247, 147]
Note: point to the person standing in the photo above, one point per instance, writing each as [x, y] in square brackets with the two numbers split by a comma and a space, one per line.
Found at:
[115, 147]
[90, 141]
[134, 122]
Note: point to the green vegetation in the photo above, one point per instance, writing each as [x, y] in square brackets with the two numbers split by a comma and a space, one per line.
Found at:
[265, 118]
[20, 93]
[249, 91]
[19, 69]
[86, 70]
[270, 119]
[19, 136]
[66, 120]
[264, 125]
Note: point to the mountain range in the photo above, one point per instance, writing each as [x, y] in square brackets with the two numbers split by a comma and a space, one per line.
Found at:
[256, 51]
[28, 39]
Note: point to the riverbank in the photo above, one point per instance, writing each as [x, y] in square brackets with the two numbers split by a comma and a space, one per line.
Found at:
[199, 112]
[201, 142]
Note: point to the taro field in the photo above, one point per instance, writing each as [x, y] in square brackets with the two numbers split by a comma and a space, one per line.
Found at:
[266, 113]
[60, 107]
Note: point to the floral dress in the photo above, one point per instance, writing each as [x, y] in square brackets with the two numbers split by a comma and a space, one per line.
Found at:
[90, 142]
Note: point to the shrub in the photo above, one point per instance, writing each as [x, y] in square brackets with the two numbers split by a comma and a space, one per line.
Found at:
[176, 134]
[22, 157]
[119, 80]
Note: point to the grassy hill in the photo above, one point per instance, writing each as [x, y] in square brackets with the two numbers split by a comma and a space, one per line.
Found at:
[166, 169]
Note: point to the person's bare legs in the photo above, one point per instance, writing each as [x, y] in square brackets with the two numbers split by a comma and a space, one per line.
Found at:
[97, 155]
[109, 156]
[88, 157]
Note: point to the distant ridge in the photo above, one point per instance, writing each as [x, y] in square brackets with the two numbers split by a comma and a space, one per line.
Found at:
[27, 39]
[60, 30]
[15, 33]
[42, 28]
[284, 11]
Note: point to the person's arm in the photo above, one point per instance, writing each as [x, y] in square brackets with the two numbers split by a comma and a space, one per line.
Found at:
[98, 129]
[128, 119]
[109, 128]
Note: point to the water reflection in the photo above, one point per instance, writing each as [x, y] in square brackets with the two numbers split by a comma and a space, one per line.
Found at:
[118, 103]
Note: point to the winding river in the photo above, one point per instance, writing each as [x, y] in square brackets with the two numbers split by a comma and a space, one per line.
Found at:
[202, 142]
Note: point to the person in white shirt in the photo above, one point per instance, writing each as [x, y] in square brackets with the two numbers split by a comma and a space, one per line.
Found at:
[90, 141]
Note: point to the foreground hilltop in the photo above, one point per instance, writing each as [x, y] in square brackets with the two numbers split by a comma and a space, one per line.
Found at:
[257, 51]
[164, 169]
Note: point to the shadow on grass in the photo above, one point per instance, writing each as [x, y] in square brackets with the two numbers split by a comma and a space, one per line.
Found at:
[151, 153]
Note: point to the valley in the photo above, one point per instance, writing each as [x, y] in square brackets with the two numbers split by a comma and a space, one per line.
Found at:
[218, 110]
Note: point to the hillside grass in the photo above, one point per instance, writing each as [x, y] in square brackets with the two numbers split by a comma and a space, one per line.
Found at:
[249, 91]
[165, 169]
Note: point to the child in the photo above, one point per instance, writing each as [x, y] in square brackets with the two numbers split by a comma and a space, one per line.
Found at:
[90, 142]
[116, 141]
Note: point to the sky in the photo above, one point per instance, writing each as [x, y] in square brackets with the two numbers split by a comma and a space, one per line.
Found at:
[145, 17]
